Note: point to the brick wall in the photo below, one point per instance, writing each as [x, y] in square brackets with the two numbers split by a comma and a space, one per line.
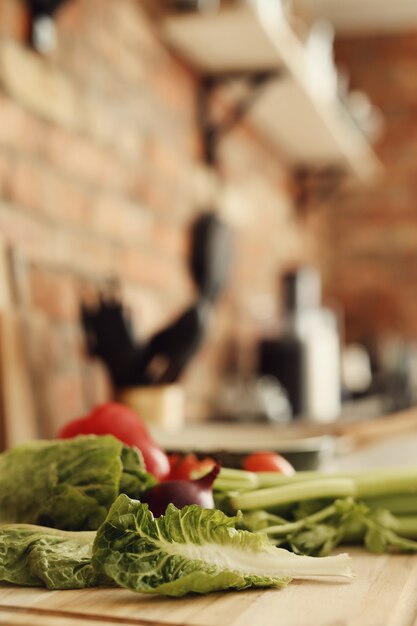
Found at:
[100, 177]
[371, 233]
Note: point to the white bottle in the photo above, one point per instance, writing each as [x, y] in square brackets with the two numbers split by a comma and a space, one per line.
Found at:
[318, 329]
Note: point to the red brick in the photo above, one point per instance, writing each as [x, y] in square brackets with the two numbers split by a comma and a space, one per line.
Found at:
[114, 217]
[129, 144]
[47, 345]
[65, 398]
[38, 85]
[107, 189]
[5, 173]
[164, 159]
[115, 53]
[18, 129]
[34, 185]
[171, 240]
[97, 384]
[18, 229]
[178, 97]
[102, 120]
[56, 294]
[94, 75]
[14, 20]
[79, 157]
[69, 18]
[146, 267]
[83, 254]
[25, 184]
[128, 23]
[63, 199]
[371, 236]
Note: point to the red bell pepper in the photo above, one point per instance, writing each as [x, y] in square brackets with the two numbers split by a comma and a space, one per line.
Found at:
[124, 424]
[189, 467]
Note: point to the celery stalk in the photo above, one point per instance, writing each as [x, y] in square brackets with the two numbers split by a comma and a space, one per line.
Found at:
[235, 480]
[403, 504]
[280, 530]
[406, 526]
[367, 481]
[275, 479]
[387, 482]
[288, 494]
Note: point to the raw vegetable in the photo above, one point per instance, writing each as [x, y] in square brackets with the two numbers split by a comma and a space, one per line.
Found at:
[360, 485]
[68, 484]
[276, 497]
[33, 556]
[267, 462]
[195, 550]
[182, 492]
[188, 466]
[124, 424]
[344, 521]
[312, 512]
[231, 479]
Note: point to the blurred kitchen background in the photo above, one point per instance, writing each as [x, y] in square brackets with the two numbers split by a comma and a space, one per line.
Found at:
[278, 136]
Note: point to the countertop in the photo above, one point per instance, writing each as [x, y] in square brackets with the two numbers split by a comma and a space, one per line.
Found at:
[382, 594]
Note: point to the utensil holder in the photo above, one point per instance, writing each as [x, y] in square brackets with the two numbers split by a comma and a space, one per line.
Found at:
[161, 406]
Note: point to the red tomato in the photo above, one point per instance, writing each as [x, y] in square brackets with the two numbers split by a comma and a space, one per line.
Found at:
[188, 467]
[124, 424]
[266, 461]
[173, 460]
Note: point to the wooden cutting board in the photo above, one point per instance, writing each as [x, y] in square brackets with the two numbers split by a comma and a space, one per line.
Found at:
[18, 420]
[16, 395]
[384, 593]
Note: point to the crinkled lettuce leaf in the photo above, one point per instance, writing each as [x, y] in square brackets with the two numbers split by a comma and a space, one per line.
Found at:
[34, 556]
[68, 484]
[134, 480]
[195, 550]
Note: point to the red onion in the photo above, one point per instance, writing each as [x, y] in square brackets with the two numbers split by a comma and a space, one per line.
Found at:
[182, 492]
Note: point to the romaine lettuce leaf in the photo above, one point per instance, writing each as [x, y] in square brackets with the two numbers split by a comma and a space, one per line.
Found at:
[134, 480]
[68, 484]
[33, 556]
[195, 550]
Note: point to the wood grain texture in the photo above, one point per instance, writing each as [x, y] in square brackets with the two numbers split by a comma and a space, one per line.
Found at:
[383, 594]
[18, 421]
[16, 393]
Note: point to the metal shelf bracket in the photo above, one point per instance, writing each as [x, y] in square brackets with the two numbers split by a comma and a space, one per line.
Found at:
[316, 187]
[214, 130]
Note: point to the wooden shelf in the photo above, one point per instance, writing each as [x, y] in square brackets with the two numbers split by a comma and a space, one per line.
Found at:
[309, 130]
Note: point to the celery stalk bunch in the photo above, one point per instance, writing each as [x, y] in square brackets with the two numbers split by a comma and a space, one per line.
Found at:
[312, 512]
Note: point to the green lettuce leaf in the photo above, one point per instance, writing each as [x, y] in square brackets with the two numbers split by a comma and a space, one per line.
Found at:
[33, 556]
[68, 484]
[134, 480]
[195, 550]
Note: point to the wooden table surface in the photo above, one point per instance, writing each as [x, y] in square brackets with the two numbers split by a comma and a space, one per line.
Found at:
[384, 593]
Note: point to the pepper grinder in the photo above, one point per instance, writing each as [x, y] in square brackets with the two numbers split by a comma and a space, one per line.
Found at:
[305, 356]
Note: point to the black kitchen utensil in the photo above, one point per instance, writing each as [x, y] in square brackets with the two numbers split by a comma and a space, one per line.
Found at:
[164, 357]
[285, 359]
[109, 335]
[211, 254]
[169, 351]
